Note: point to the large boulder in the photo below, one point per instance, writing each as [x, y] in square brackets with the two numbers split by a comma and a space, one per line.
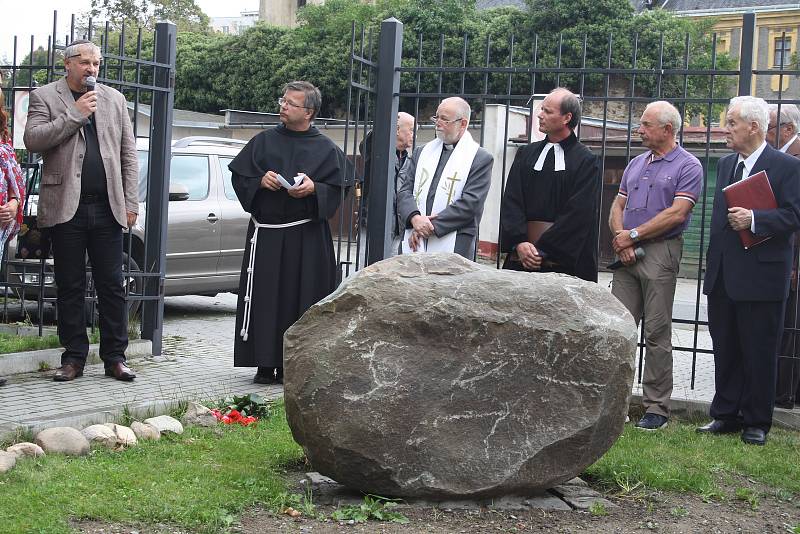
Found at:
[432, 376]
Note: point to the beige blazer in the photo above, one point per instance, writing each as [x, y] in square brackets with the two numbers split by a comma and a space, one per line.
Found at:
[55, 130]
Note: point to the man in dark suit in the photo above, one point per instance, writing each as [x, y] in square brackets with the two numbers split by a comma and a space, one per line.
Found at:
[747, 288]
[782, 134]
[88, 194]
[440, 199]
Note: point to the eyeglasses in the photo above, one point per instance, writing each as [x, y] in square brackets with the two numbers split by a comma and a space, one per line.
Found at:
[282, 101]
[775, 126]
[436, 119]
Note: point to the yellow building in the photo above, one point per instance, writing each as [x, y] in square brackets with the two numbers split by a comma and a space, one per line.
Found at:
[774, 42]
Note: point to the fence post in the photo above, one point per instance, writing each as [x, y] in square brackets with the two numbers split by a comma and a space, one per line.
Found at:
[380, 207]
[746, 54]
[155, 242]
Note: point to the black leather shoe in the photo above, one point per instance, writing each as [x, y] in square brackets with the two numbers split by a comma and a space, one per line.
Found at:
[265, 375]
[68, 372]
[718, 426]
[120, 371]
[754, 436]
[3, 381]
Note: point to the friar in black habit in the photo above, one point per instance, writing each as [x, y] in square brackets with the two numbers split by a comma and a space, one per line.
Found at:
[289, 262]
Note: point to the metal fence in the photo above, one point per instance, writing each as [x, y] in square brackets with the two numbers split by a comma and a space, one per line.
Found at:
[141, 65]
[501, 81]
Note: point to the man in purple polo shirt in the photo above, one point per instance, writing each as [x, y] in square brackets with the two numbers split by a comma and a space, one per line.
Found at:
[653, 207]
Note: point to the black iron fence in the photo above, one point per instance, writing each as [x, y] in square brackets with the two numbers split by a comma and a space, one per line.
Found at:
[504, 81]
[142, 67]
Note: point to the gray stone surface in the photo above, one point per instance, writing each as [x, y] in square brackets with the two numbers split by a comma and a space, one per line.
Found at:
[7, 461]
[26, 449]
[62, 440]
[33, 360]
[581, 497]
[548, 502]
[433, 377]
[165, 424]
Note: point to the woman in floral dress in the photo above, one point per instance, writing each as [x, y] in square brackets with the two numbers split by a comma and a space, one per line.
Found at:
[12, 187]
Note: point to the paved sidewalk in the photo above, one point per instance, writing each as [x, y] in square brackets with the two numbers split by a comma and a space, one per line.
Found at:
[198, 365]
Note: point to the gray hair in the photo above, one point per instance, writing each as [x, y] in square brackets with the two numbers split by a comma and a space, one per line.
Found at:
[752, 109]
[74, 48]
[789, 115]
[464, 111]
[667, 114]
[570, 103]
[312, 97]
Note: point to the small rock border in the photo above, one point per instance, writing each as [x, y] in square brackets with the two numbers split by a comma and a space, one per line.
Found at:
[78, 442]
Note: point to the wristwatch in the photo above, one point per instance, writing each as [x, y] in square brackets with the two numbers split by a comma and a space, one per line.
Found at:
[634, 234]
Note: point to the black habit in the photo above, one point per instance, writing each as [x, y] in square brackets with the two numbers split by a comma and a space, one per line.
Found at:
[570, 199]
[295, 266]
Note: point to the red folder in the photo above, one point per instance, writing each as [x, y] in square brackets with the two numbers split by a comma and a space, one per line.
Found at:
[752, 193]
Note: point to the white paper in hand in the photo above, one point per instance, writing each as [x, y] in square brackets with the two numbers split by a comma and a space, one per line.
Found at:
[295, 182]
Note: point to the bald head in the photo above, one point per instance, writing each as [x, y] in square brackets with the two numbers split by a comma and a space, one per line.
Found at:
[459, 106]
[453, 114]
[405, 131]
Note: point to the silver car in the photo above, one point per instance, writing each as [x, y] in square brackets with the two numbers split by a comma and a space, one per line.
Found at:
[206, 224]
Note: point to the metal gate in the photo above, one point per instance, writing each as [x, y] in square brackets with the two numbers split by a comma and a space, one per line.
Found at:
[415, 74]
[142, 67]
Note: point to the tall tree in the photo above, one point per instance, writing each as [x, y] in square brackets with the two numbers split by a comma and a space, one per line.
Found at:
[186, 15]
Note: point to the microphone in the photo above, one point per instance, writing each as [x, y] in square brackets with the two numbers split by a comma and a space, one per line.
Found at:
[638, 252]
[90, 83]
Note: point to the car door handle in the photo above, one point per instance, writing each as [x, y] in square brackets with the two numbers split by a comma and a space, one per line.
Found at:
[212, 218]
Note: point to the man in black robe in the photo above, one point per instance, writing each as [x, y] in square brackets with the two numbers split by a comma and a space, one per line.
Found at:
[551, 205]
[289, 262]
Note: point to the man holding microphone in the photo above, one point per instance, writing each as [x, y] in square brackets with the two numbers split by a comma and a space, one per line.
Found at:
[88, 195]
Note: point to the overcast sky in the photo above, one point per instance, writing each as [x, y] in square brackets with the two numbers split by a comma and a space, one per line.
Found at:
[24, 18]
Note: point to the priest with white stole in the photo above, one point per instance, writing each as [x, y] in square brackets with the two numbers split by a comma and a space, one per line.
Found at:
[444, 186]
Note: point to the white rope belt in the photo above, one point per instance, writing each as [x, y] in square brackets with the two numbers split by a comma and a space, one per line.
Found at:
[251, 265]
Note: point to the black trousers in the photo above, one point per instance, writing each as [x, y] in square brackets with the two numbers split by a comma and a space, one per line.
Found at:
[788, 390]
[746, 337]
[92, 230]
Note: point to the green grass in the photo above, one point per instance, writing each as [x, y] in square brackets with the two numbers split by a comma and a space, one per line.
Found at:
[678, 459]
[200, 480]
[13, 343]
[203, 479]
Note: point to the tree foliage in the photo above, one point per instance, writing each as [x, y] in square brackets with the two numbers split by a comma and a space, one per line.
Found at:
[247, 71]
[186, 15]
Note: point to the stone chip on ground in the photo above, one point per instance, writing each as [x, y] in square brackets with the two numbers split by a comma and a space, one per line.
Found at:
[199, 415]
[63, 440]
[144, 431]
[26, 449]
[100, 435]
[125, 436]
[165, 424]
[421, 363]
[7, 461]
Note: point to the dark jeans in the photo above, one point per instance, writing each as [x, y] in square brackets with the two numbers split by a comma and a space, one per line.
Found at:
[93, 229]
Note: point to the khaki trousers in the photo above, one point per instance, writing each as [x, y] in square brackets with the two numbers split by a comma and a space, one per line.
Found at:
[648, 286]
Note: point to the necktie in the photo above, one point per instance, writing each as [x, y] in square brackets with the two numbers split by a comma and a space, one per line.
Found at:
[739, 171]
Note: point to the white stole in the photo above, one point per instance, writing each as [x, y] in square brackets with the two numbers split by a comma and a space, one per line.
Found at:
[451, 185]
